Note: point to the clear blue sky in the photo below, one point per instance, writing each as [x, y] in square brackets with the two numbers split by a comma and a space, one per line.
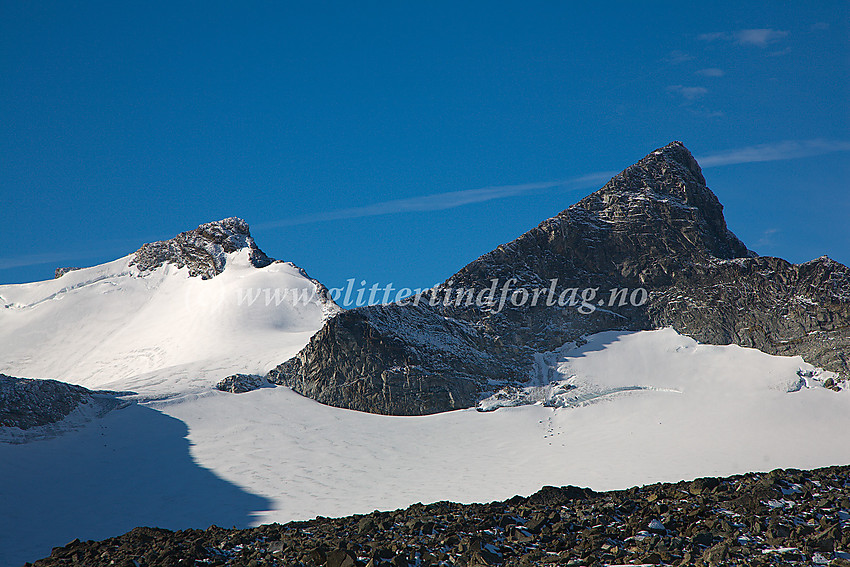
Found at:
[397, 141]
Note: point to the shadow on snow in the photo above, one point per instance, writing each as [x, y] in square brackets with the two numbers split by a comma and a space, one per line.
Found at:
[130, 468]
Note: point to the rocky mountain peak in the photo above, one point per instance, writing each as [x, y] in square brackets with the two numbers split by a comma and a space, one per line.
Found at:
[670, 172]
[655, 227]
[642, 227]
[664, 199]
[674, 154]
[203, 250]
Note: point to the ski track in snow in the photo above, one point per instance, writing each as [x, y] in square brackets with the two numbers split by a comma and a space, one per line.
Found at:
[637, 408]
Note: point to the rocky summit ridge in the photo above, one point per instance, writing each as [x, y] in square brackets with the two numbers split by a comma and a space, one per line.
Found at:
[202, 250]
[655, 226]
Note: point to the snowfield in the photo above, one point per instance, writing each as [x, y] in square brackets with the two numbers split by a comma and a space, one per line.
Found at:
[622, 409]
[159, 333]
[700, 410]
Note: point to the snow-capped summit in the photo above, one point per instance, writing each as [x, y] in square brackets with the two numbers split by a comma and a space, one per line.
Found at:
[176, 316]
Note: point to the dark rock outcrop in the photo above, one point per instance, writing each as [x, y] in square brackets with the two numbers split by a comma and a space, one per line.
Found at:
[399, 359]
[765, 303]
[656, 226]
[241, 383]
[203, 249]
[784, 517]
[27, 403]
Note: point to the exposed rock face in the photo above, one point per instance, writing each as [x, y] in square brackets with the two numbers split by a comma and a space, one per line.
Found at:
[26, 403]
[655, 226]
[202, 250]
[764, 303]
[241, 383]
[404, 360]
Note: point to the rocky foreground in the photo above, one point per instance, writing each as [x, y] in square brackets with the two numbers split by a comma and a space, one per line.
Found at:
[785, 517]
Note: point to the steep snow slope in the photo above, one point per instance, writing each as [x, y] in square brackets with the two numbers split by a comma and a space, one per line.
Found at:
[158, 332]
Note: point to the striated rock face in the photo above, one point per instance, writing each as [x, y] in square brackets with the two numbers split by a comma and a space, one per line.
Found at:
[26, 403]
[241, 383]
[403, 360]
[764, 303]
[655, 226]
[202, 250]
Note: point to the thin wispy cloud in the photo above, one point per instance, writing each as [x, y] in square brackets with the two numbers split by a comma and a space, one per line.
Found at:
[780, 151]
[433, 202]
[759, 37]
[766, 239]
[34, 260]
[96, 250]
[441, 201]
[47, 258]
[675, 57]
[714, 36]
[688, 100]
[704, 112]
[689, 94]
[786, 150]
[710, 72]
[789, 149]
[784, 51]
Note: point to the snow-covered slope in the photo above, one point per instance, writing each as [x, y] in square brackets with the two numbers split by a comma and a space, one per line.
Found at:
[615, 363]
[158, 332]
[652, 406]
[618, 409]
[655, 406]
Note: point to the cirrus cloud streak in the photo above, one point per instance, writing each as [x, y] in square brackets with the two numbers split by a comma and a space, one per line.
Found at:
[788, 149]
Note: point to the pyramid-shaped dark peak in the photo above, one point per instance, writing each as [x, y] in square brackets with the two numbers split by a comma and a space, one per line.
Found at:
[670, 171]
[225, 228]
[646, 224]
[675, 153]
[665, 195]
